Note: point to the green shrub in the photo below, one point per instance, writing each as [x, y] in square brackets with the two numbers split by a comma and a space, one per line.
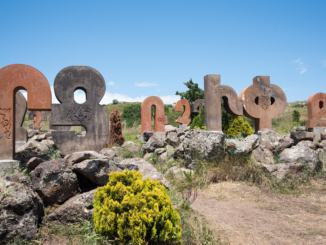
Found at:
[296, 116]
[115, 101]
[199, 120]
[134, 210]
[131, 114]
[239, 126]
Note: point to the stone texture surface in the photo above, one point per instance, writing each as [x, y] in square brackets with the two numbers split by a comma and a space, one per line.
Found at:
[90, 115]
[170, 128]
[323, 136]
[147, 156]
[154, 142]
[147, 169]
[111, 155]
[242, 146]
[48, 143]
[206, 145]
[9, 166]
[301, 154]
[54, 181]
[12, 78]
[214, 91]
[33, 163]
[183, 105]
[31, 149]
[163, 157]
[263, 155]
[21, 209]
[263, 101]
[172, 139]
[274, 142]
[179, 152]
[80, 156]
[127, 144]
[21, 107]
[179, 172]
[146, 135]
[308, 143]
[146, 110]
[169, 150]
[282, 170]
[322, 145]
[159, 151]
[299, 133]
[96, 170]
[76, 209]
[197, 105]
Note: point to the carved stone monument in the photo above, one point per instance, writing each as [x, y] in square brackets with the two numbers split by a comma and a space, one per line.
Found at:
[90, 114]
[197, 105]
[316, 110]
[20, 111]
[214, 92]
[184, 119]
[263, 101]
[13, 78]
[160, 119]
[37, 119]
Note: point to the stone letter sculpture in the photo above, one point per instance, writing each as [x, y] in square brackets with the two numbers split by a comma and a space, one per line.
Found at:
[20, 111]
[197, 105]
[13, 78]
[214, 91]
[263, 101]
[160, 118]
[36, 116]
[184, 119]
[316, 109]
[90, 114]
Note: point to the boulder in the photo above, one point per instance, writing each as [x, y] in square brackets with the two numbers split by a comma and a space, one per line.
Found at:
[80, 156]
[242, 146]
[281, 170]
[159, 151]
[76, 209]
[303, 155]
[170, 128]
[146, 135]
[169, 150]
[262, 155]
[31, 133]
[274, 142]
[21, 209]
[116, 149]
[172, 139]
[205, 145]
[147, 156]
[156, 141]
[147, 169]
[182, 138]
[48, 135]
[33, 163]
[54, 181]
[308, 143]
[96, 170]
[323, 136]
[31, 149]
[179, 152]
[163, 157]
[48, 143]
[299, 133]
[133, 148]
[39, 137]
[139, 137]
[111, 155]
[322, 145]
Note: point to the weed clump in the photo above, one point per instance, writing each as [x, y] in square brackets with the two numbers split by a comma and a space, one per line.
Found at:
[115, 136]
[130, 209]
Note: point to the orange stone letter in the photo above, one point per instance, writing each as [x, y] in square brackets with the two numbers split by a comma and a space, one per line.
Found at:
[12, 79]
[316, 109]
[184, 119]
[263, 101]
[160, 118]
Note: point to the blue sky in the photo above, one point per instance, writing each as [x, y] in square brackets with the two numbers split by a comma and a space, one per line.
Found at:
[145, 48]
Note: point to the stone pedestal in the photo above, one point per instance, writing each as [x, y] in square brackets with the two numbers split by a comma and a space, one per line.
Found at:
[9, 167]
[317, 132]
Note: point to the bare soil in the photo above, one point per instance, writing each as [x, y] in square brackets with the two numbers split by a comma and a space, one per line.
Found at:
[244, 214]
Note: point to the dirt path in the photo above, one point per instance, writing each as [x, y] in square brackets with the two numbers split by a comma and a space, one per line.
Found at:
[244, 214]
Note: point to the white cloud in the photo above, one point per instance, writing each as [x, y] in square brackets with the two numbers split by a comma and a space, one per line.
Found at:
[300, 65]
[145, 84]
[111, 83]
[170, 99]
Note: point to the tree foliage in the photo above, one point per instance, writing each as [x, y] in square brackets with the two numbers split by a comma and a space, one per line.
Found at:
[131, 114]
[199, 120]
[193, 93]
[135, 211]
[115, 135]
[239, 126]
[296, 116]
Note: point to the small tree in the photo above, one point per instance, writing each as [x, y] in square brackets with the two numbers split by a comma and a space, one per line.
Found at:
[199, 120]
[239, 126]
[115, 136]
[193, 93]
[296, 116]
[115, 101]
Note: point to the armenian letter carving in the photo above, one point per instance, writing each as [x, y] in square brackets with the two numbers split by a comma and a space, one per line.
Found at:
[12, 79]
[90, 114]
[20, 110]
[316, 110]
[197, 105]
[160, 119]
[214, 92]
[263, 101]
[184, 119]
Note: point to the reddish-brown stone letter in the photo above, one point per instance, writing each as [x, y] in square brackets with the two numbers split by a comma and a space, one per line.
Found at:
[184, 119]
[316, 109]
[160, 118]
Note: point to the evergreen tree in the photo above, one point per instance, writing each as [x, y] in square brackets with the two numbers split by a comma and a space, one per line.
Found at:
[239, 126]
